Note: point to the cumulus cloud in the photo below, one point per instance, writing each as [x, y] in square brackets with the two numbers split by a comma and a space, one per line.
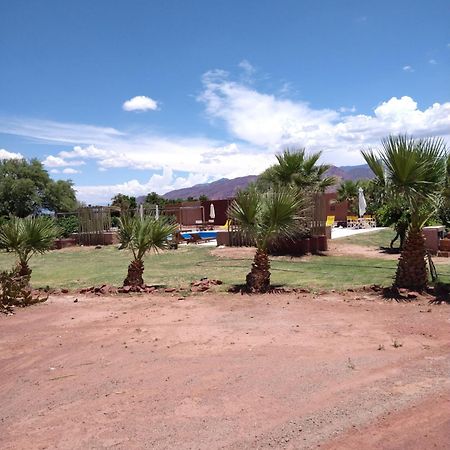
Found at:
[159, 182]
[408, 69]
[268, 122]
[258, 125]
[140, 103]
[70, 171]
[59, 161]
[4, 154]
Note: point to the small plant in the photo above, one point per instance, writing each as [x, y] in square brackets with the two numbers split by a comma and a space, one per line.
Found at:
[350, 364]
[26, 237]
[396, 344]
[381, 347]
[141, 236]
[263, 217]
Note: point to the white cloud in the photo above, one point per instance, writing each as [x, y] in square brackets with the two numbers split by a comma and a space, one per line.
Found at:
[4, 154]
[160, 183]
[270, 123]
[247, 67]
[408, 69]
[344, 109]
[259, 125]
[52, 131]
[140, 103]
[55, 171]
[58, 161]
[432, 61]
[69, 170]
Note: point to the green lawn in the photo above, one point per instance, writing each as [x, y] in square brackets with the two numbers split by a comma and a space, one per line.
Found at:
[86, 267]
[380, 238]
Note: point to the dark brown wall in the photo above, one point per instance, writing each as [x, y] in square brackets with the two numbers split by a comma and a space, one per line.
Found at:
[220, 207]
[186, 213]
[334, 208]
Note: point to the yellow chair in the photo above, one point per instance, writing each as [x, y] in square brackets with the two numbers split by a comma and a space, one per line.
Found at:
[227, 225]
[330, 221]
[352, 221]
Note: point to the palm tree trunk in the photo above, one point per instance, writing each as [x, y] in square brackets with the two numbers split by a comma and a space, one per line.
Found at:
[258, 279]
[412, 269]
[23, 269]
[134, 276]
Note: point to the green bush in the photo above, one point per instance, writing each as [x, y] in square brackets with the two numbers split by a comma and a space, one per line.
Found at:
[115, 221]
[68, 225]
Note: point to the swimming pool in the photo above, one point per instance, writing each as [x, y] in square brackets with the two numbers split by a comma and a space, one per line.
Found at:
[201, 234]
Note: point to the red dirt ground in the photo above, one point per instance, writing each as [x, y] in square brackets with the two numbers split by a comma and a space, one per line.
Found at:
[225, 371]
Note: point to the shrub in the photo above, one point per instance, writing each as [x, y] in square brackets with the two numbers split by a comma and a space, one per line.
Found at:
[68, 225]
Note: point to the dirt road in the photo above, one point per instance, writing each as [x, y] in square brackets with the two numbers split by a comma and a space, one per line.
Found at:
[225, 371]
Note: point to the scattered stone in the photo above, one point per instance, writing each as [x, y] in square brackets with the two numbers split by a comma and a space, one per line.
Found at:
[204, 284]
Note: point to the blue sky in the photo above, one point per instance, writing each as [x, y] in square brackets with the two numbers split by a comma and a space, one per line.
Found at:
[135, 96]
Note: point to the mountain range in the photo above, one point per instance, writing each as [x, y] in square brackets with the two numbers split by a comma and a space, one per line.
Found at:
[226, 188]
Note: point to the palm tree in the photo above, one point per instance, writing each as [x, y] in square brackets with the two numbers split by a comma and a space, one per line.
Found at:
[414, 171]
[140, 236]
[348, 191]
[263, 217]
[296, 168]
[26, 237]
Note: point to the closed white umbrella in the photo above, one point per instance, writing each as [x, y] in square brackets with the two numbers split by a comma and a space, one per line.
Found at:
[361, 202]
[212, 211]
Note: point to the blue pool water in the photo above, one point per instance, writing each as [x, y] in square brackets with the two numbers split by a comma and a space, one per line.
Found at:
[202, 234]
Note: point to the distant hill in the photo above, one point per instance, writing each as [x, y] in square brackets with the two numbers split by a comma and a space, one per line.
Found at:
[225, 188]
[355, 172]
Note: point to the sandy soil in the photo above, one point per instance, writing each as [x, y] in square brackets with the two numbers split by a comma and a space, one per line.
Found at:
[336, 248]
[225, 371]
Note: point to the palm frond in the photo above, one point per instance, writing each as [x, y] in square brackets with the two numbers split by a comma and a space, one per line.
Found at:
[11, 234]
[263, 216]
[39, 234]
[245, 210]
[143, 235]
[28, 236]
[375, 165]
[126, 231]
[411, 170]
